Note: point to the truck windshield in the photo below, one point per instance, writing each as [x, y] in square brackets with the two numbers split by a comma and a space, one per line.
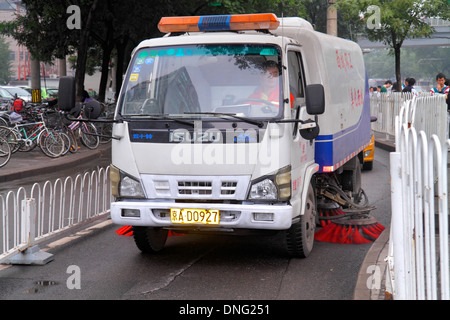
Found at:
[200, 80]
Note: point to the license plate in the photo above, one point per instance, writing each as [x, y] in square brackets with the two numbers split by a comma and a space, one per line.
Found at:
[189, 216]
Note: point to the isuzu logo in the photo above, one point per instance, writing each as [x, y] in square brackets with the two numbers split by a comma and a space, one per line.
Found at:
[196, 136]
[213, 135]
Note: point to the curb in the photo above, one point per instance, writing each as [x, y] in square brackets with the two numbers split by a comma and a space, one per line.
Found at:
[370, 284]
[385, 145]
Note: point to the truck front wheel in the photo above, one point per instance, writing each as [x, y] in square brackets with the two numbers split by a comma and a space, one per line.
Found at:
[300, 237]
[150, 240]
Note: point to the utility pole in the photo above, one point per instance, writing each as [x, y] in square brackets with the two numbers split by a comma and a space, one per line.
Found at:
[332, 19]
[35, 80]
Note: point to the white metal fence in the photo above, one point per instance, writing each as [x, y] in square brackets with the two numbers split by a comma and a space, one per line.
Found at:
[386, 106]
[418, 260]
[58, 206]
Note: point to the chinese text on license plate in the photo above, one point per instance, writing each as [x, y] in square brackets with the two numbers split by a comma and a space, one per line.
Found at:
[187, 216]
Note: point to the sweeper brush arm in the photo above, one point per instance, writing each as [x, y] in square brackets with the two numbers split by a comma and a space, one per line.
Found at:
[343, 218]
[329, 188]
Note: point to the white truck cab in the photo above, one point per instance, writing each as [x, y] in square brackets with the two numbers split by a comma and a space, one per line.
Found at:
[232, 124]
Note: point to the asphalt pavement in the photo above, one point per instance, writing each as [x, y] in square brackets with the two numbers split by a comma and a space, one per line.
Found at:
[35, 163]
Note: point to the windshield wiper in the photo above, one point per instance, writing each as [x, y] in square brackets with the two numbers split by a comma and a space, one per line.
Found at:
[163, 117]
[260, 124]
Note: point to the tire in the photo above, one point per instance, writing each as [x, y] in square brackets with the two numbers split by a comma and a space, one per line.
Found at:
[88, 136]
[67, 143]
[51, 143]
[5, 152]
[66, 93]
[351, 180]
[12, 137]
[368, 165]
[300, 236]
[73, 141]
[3, 122]
[150, 240]
[106, 132]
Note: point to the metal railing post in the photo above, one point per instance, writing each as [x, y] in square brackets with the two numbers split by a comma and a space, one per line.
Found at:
[32, 254]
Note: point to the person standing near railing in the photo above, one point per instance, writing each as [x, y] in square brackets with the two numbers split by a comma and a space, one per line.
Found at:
[443, 88]
[410, 82]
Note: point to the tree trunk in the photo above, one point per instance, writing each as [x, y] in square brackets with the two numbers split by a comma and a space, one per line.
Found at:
[105, 72]
[82, 52]
[397, 45]
[398, 75]
[121, 49]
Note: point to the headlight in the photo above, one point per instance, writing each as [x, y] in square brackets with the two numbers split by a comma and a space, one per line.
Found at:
[123, 185]
[264, 190]
[129, 187]
[272, 187]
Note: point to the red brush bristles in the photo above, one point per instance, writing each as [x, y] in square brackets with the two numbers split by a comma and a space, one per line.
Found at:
[125, 231]
[349, 233]
[173, 233]
[128, 231]
[327, 213]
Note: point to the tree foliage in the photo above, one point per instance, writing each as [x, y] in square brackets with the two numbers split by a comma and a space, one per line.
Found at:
[5, 62]
[112, 28]
[398, 20]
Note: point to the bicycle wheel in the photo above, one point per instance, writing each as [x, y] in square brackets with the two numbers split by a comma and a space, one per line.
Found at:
[5, 152]
[106, 132]
[88, 135]
[67, 142]
[12, 137]
[73, 141]
[3, 122]
[51, 143]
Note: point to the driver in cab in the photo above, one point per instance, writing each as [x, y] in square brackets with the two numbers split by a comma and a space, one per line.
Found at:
[270, 85]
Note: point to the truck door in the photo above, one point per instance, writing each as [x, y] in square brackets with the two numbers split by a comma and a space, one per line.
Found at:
[302, 151]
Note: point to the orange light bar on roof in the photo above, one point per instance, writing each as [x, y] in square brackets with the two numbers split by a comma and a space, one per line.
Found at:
[259, 21]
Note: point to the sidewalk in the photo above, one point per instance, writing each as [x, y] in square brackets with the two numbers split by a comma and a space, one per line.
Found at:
[33, 163]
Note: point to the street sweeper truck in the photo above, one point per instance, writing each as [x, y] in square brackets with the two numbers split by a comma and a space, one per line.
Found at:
[242, 124]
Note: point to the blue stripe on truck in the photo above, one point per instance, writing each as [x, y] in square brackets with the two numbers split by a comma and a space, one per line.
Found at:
[336, 149]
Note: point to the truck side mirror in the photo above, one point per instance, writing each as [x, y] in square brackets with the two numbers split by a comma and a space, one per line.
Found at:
[315, 99]
[66, 93]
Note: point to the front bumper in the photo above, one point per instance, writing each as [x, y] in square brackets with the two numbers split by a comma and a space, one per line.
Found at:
[232, 216]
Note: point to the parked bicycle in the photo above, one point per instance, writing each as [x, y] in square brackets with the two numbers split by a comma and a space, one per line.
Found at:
[5, 152]
[25, 136]
[85, 130]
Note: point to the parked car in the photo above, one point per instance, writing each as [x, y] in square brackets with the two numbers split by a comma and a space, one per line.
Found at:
[46, 93]
[21, 93]
[5, 94]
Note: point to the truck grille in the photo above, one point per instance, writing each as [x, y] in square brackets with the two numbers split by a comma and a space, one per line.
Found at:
[205, 187]
[228, 187]
[202, 187]
[194, 187]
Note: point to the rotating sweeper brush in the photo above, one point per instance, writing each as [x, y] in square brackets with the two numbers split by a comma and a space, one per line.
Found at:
[344, 217]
